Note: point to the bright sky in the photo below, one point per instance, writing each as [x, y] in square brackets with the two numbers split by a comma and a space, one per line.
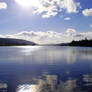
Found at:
[50, 20]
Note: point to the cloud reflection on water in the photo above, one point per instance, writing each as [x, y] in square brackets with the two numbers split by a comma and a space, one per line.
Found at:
[3, 87]
[50, 83]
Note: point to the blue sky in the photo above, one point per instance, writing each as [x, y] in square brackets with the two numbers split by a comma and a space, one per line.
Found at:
[15, 18]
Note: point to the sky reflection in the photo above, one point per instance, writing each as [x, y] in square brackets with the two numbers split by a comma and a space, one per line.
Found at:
[44, 55]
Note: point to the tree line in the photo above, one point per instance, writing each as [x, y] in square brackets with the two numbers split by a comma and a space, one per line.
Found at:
[84, 42]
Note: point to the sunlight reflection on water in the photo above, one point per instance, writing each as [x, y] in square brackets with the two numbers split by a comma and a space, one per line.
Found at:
[27, 88]
[28, 50]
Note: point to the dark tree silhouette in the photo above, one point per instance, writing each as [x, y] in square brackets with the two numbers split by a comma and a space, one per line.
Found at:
[84, 42]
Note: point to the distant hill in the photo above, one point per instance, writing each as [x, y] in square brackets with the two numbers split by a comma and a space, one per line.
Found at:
[63, 44]
[85, 42]
[59, 44]
[14, 42]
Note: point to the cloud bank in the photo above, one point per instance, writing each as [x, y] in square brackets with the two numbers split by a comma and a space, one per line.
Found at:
[50, 37]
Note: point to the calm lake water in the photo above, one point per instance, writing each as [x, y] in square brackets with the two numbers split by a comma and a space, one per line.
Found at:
[45, 69]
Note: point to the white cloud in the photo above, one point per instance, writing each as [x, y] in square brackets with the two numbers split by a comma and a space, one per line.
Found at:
[87, 34]
[47, 8]
[83, 35]
[50, 8]
[70, 5]
[87, 12]
[70, 30]
[67, 18]
[3, 5]
[49, 14]
[90, 25]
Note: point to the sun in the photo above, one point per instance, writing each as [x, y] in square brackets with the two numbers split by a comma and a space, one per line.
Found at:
[28, 3]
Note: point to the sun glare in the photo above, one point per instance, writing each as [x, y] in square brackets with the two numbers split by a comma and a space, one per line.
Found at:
[28, 3]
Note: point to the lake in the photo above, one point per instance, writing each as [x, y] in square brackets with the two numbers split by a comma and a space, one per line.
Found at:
[45, 69]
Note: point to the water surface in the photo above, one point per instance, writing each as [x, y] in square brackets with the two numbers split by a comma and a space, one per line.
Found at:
[45, 69]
